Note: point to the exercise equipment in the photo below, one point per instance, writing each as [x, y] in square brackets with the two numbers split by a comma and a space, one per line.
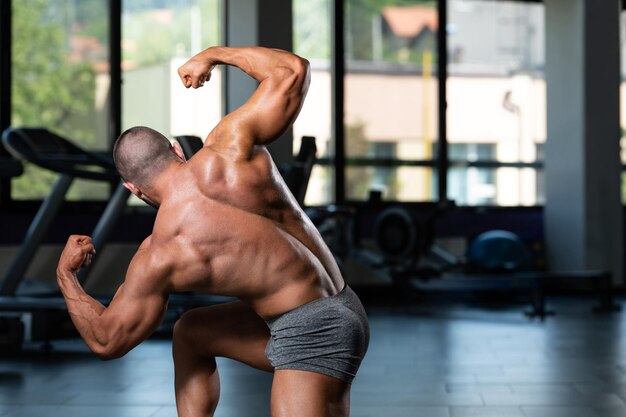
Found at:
[298, 173]
[27, 310]
[397, 234]
[498, 251]
[408, 245]
[401, 250]
[52, 152]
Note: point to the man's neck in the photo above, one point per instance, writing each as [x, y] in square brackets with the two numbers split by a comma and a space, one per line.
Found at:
[164, 185]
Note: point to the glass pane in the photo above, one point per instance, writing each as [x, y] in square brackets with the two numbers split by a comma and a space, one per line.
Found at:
[311, 32]
[391, 91]
[394, 183]
[157, 38]
[61, 82]
[320, 191]
[496, 97]
[500, 186]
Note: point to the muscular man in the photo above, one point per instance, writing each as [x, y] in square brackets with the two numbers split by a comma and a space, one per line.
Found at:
[228, 225]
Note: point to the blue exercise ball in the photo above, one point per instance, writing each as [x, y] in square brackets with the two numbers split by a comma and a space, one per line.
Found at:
[498, 251]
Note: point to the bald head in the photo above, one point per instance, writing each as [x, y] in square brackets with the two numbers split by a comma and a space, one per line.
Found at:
[140, 154]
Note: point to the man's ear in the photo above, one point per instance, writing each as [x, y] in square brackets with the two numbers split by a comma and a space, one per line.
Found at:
[132, 188]
[179, 151]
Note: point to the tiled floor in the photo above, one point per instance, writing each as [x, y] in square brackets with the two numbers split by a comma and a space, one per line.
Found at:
[436, 360]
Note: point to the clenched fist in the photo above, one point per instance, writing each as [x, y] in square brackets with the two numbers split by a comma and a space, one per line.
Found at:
[77, 253]
[195, 72]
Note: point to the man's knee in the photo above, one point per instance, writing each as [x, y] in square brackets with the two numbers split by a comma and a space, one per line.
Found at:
[186, 329]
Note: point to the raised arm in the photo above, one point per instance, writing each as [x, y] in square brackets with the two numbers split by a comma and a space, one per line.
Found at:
[283, 83]
[134, 313]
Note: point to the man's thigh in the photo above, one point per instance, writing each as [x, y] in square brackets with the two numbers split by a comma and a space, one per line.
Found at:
[309, 394]
[231, 330]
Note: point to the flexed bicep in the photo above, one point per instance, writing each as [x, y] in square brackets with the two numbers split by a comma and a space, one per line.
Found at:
[283, 83]
[136, 310]
[132, 316]
[271, 109]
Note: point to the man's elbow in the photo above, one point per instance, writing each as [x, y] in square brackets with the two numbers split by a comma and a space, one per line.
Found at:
[292, 67]
[295, 76]
[108, 351]
[307, 76]
[302, 67]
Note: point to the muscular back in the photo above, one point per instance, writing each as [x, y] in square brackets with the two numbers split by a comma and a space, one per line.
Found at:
[226, 223]
[235, 229]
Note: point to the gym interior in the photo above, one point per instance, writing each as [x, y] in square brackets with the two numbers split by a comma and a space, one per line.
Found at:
[462, 160]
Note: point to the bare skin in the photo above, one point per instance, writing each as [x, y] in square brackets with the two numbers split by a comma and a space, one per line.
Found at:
[227, 225]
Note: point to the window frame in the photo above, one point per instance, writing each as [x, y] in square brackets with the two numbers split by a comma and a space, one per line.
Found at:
[440, 164]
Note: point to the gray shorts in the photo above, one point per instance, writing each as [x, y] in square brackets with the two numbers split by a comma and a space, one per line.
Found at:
[328, 336]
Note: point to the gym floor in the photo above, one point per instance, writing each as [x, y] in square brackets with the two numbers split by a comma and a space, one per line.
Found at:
[429, 360]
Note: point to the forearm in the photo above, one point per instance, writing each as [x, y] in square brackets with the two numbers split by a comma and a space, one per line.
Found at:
[85, 312]
[283, 84]
[260, 63]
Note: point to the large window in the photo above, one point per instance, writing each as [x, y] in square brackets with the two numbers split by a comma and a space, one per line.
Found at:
[390, 98]
[311, 39]
[157, 38]
[496, 101]
[60, 80]
[495, 121]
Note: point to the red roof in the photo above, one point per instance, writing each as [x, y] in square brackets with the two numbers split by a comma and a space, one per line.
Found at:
[410, 21]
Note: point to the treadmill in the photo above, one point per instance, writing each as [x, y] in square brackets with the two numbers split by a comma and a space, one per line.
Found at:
[54, 153]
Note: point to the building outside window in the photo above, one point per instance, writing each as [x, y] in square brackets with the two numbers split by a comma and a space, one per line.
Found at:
[495, 96]
[391, 97]
[312, 40]
[157, 38]
[496, 99]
